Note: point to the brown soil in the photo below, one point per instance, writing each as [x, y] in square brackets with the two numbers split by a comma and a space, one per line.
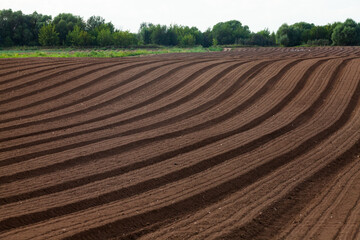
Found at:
[253, 143]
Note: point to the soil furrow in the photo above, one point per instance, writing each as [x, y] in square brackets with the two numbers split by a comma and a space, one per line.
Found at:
[252, 143]
[103, 117]
[37, 91]
[74, 90]
[213, 195]
[37, 80]
[101, 92]
[256, 69]
[255, 122]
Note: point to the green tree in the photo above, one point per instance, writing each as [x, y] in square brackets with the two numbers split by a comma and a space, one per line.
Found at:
[37, 21]
[188, 40]
[159, 35]
[230, 32]
[262, 38]
[94, 22]
[124, 39]
[78, 37]
[48, 35]
[65, 23]
[145, 32]
[347, 33]
[288, 36]
[207, 38]
[303, 29]
[17, 28]
[104, 37]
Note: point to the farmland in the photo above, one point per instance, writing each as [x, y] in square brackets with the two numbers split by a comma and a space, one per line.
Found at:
[253, 143]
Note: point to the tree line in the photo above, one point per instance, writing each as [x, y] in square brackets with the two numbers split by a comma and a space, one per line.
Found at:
[66, 29]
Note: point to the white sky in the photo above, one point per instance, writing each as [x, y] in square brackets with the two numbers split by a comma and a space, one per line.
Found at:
[257, 14]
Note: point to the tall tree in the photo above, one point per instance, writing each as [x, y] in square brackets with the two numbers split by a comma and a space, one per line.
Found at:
[347, 33]
[65, 23]
[17, 28]
[78, 37]
[230, 32]
[94, 22]
[48, 35]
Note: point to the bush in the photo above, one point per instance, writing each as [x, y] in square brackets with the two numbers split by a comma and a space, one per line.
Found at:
[319, 42]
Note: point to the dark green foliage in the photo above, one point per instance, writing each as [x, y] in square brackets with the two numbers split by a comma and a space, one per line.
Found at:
[262, 38]
[145, 33]
[48, 35]
[230, 32]
[104, 37]
[207, 38]
[159, 35]
[94, 22]
[187, 36]
[17, 29]
[318, 42]
[289, 36]
[78, 37]
[347, 33]
[124, 39]
[65, 23]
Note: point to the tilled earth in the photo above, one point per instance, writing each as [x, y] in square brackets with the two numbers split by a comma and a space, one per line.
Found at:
[254, 143]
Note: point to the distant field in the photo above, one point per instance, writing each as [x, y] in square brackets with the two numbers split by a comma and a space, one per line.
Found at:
[65, 53]
[252, 143]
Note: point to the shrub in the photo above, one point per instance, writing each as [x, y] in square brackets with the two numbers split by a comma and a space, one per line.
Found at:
[319, 42]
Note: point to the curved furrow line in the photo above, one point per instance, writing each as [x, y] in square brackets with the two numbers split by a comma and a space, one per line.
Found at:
[291, 180]
[36, 63]
[30, 83]
[284, 186]
[44, 89]
[334, 193]
[70, 91]
[289, 206]
[346, 228]
[255, 122]
[96, 80]
[101, 92]
[22, 77]
[119, 112]
[230, 91]
[71, 216]
[143, 116]
[219, 204]
[188, 204]
[50, 65]
[158, 97]
[126, 226]
[91, 120]
[325, 215]
[67, 63]
[11, 61]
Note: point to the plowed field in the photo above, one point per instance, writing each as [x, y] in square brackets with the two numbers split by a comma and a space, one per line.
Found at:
[260, 143]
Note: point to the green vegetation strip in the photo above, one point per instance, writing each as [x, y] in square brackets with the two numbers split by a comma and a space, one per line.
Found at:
[99, 53]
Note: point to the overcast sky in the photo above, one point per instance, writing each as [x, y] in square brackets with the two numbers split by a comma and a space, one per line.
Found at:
[257, 14]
